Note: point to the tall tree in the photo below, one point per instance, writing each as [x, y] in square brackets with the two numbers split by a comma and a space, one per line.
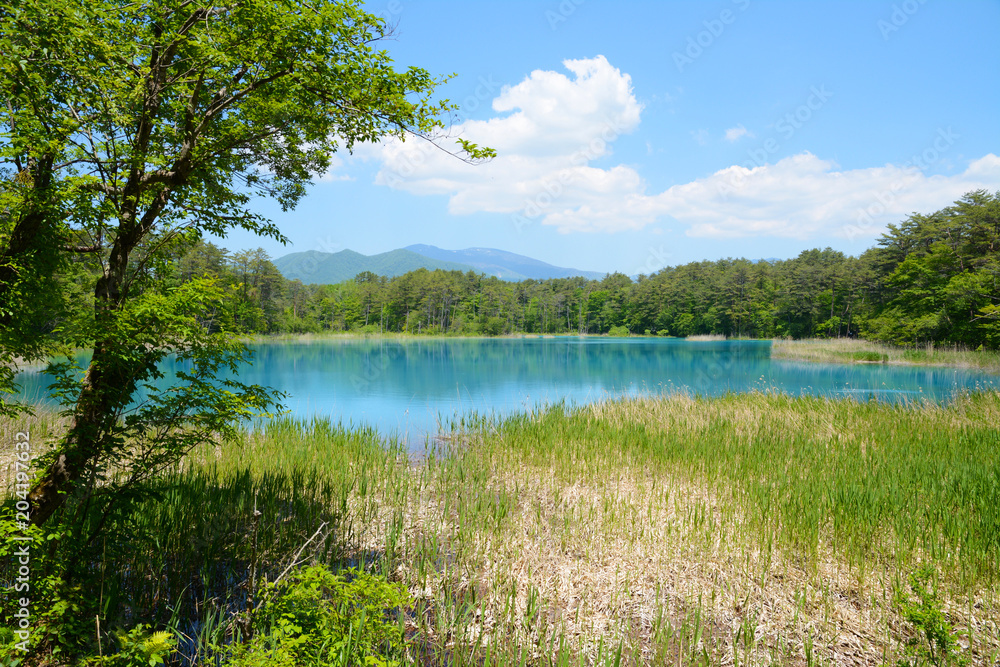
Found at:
[142, 125]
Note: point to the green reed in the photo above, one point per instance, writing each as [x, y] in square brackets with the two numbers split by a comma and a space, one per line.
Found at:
[848, 350]
[876, 481]
[641, 531]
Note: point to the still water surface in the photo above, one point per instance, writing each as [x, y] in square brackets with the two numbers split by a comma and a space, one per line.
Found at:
[409, 387]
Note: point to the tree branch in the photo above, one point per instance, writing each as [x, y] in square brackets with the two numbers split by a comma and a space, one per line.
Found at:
[81, 248]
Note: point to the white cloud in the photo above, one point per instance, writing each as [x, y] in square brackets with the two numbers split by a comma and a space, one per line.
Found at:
[336, 164]
[551, 126]
[803, 197]
[735, 133]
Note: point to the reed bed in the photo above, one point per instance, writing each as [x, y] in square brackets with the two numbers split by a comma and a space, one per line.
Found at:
[853, 350]
[748, 529]
[43, 424]
[706, 338]
[755, 529]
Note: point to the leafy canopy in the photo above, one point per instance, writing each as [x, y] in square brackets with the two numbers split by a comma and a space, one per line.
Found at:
[129, 131]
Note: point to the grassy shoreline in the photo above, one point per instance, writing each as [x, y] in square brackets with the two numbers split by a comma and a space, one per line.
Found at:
[849, 350]
[760, 528]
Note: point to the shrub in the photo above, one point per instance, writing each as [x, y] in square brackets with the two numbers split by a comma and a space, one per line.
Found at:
[138, 648]
[321, 618]
[57, 625]
[618, 332]
[932, 641]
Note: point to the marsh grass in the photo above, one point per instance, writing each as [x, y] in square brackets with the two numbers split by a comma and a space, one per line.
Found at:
[852, 350]
[42, 424]
[750, 528]
[745, 529]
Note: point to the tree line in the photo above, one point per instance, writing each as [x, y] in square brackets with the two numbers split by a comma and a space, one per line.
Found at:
[931, 278]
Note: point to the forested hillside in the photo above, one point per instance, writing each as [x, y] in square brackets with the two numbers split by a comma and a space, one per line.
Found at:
[932, 277]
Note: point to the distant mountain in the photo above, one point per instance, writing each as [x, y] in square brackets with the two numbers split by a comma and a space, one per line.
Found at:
[327, 268]
[502, 264]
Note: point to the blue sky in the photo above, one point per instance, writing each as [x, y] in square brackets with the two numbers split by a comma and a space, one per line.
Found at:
[635, 135]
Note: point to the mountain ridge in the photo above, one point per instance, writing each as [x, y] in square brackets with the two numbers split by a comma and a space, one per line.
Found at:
[501, 263]
[316, 267]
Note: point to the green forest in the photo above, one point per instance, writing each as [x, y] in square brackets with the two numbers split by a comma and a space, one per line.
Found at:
[931, 278]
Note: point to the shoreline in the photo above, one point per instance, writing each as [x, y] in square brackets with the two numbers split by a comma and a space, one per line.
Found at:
[858, 351]
[19, 365]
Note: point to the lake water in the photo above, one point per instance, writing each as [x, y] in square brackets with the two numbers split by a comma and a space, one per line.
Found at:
[408, 387]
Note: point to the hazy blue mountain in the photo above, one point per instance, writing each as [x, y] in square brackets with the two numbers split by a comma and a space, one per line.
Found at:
[506, 265]
[326, 268]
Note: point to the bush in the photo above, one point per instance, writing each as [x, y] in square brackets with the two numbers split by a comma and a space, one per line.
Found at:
[138, 648]
[58, 626]
[321, 618]
[470, 329]
[618, 332]
[932, 641]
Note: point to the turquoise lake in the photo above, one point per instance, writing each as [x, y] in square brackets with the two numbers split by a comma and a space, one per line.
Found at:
[409, 387]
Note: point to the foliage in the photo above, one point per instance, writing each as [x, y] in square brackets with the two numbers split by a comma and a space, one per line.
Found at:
[888, 294]
[138, 647]
[933, 642]
[493, 327]
[939, 276]
[185, 550]
[317, 617]
[128, 132]
[57, 625]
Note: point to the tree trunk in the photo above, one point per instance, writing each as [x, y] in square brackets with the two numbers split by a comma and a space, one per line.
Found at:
[108, 385]
[111, 376]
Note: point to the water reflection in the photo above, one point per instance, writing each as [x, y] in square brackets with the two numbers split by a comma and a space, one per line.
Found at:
[408, 387]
